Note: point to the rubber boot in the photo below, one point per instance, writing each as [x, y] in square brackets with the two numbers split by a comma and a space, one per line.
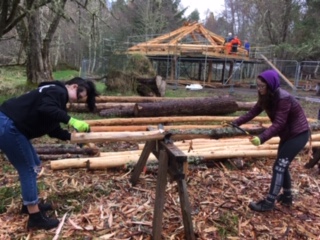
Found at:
[43, 207]
[39, 220]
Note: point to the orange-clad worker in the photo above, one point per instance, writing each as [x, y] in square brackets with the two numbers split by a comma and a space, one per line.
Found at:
[235, 43]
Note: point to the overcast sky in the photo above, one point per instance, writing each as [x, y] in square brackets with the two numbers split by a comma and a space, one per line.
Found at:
[215, 6]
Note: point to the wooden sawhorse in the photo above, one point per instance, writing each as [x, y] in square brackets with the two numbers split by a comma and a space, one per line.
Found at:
[173, 161]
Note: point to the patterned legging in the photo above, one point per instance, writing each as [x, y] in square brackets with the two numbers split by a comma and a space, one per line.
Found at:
[286, 153]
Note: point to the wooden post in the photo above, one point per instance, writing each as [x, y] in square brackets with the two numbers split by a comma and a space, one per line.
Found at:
[177, 163]
[160, 193]
[165, 153]
[280, 74]
[148, 147]
[209, 71]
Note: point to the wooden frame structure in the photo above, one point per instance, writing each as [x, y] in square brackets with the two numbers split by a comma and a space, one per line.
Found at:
[194, 43]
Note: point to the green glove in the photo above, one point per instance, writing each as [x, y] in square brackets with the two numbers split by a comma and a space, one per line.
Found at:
[255, 141]
[79, 125]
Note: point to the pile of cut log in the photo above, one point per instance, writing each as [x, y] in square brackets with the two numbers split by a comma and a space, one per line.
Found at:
[201, 143]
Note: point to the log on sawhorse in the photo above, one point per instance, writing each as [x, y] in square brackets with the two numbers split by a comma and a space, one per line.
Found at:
[172, 161]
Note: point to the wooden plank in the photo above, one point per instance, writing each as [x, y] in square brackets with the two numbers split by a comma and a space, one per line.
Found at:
[183, 34]
[174, 152]
[149, 146]
[160, 195]
[280, 74]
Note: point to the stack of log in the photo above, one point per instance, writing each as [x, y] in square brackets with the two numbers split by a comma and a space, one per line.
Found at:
[201, 143]
[65, 151]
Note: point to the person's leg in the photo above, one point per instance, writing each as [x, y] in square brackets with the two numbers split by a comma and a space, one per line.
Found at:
[286, 153]
[23, 157]
[20, 153]
[281, 175]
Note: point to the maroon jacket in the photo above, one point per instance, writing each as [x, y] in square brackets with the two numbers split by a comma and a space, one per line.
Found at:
[287, 116]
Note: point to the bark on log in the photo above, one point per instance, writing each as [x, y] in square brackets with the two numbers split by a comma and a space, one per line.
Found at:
[49, 157]
[175, 134]
[82, 107]
[245, 106]
[192, 107]
[135, 99]
[74, 150]
[132, 128]
[118, 112]
[166, 120]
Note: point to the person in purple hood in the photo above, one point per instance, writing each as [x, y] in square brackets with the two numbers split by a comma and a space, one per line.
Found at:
[289, 122]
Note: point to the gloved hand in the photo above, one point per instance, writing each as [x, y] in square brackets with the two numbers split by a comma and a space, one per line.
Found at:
[228, 124]
[225, 124]
[80, 126]
[255, 141]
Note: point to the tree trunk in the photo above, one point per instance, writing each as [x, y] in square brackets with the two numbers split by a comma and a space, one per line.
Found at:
[192, 107]
[118, 112]
[151, 86]
[39, 67]
[36, 68]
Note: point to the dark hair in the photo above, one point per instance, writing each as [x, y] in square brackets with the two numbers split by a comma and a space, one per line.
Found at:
[265, 101]
[89, 87]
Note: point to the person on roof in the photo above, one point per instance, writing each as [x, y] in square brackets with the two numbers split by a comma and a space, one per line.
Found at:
[235, 42]
[289, 122]
[247, 46]
[32, 115]
[229, 38]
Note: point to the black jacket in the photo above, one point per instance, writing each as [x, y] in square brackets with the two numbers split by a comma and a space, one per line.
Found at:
[40, 111]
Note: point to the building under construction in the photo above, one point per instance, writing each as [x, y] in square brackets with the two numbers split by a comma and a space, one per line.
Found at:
[193, 52]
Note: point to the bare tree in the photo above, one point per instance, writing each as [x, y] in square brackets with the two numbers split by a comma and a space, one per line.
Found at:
[38, 61]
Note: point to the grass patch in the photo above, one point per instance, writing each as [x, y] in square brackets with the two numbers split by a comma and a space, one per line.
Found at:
[229, 225]
[65, 74]
[6, 196]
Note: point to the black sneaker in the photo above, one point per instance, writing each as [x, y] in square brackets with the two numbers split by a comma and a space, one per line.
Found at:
[261, 206]
[285, 200]
[40, 220]
[42, 207]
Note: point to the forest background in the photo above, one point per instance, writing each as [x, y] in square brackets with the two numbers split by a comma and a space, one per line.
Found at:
[45, 35]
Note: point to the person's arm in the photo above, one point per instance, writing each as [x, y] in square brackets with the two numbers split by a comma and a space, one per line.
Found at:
[60, 133]
[279, 121]
[52, 105]
[253, 112]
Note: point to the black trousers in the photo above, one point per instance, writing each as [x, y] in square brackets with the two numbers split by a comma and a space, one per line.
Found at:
[286, 153]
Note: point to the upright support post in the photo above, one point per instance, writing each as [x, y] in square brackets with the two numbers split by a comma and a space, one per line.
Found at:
[148, 147]
[160, 193]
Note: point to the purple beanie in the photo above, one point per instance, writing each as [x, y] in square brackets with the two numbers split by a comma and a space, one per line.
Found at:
[271, 77]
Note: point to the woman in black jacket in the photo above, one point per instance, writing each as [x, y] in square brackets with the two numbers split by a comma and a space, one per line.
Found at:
[34, 114]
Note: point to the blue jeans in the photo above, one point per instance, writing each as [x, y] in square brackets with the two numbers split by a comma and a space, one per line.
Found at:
[22, 156]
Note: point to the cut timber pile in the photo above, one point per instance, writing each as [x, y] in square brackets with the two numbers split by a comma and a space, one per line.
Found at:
[230, 144]
[197, 151]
